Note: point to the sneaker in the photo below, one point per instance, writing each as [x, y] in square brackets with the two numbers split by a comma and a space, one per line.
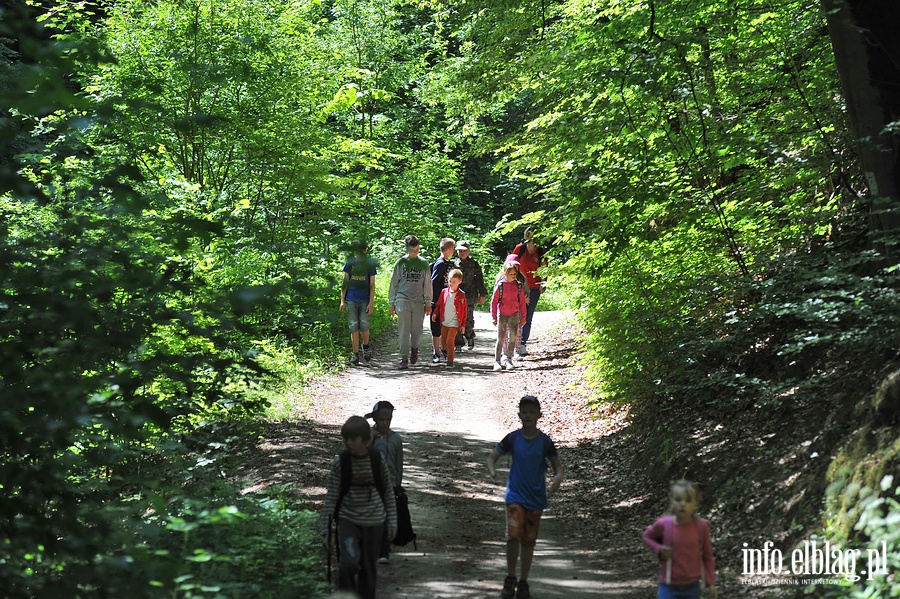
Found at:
[449, 364]
[522, 591]
[510, 365]
[509, 588]
[518, 355]
[435, 358]
[415, 355]
[404, 364]
[472, 343]
[384, 560]
[367, 354]
[522, 350]
[354, 359]
[497, 367]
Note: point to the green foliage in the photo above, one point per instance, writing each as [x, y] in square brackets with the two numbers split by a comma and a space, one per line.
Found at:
[227, 544]
[876, 515]
[180, 180]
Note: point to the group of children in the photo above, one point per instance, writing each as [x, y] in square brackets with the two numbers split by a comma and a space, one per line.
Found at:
[446, 291]
[367, 521]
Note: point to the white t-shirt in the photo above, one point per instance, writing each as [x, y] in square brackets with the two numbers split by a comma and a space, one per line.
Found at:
[450, 318]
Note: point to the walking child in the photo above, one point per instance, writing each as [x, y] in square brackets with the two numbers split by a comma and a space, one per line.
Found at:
[451, 311]
[358, 298]
[681, 542]
[359, 497]
[409, 297]
[508, 313]
[526, 492]
[390, 444]
[473, 285]
[440, 278]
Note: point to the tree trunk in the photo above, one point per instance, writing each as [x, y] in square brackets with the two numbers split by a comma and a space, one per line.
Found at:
[866, 43]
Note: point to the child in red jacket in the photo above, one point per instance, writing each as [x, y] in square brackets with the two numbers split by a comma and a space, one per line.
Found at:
[451, 310]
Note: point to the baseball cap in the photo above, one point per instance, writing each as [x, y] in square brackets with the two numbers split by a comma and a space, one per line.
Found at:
[380, 405]
[463, 245]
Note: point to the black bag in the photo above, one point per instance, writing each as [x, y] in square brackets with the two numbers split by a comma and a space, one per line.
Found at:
[405, 532]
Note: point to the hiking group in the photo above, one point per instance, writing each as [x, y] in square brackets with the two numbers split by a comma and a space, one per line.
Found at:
[446, 291]
[367, 523]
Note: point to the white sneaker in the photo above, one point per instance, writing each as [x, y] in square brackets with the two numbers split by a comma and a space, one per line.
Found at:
[518, 356]
[510, 365]
[497, 367]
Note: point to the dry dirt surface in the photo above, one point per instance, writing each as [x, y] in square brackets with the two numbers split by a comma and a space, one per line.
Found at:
[450, 419]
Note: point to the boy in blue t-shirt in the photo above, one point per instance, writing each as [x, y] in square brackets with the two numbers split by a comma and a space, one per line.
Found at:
[526, 491]
[358, 298]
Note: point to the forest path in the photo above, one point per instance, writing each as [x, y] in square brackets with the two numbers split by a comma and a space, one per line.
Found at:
[450, 420]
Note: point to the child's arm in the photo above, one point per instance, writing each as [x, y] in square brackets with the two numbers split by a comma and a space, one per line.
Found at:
[709, 561]
[371, 305]
[652, 537]
[438, 306]
[558, 475]
[344, 285]
[392, 289]
[333, 487]
[492, 464]
[398, 458]
[390, 503]
[494, 304]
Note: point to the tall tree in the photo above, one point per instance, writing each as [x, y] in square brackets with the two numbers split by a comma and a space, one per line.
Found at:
[867, 52]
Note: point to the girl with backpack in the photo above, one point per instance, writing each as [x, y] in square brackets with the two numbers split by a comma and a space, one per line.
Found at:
[681, 542]
[508, 313]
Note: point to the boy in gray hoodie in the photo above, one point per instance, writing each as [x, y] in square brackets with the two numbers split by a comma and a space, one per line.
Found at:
[409, 297]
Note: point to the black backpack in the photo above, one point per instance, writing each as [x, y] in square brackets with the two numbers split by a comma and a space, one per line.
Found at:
[405, 532]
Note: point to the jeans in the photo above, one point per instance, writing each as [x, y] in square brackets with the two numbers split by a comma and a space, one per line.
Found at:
[357, 317]
[534, 295]
[679, 591]
[359, 549]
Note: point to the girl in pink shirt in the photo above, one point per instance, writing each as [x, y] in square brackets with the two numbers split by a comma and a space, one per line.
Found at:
[508, 310]
[681, 542]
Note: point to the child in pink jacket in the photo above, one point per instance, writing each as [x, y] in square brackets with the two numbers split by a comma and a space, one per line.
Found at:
[681, 541]
[508, 312]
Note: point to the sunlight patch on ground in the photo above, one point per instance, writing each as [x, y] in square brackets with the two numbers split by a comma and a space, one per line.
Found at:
[632, 501]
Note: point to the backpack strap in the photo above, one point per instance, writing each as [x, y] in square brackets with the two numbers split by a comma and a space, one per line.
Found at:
[668, 525]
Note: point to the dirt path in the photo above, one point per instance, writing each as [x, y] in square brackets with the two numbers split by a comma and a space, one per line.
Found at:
[450, 420]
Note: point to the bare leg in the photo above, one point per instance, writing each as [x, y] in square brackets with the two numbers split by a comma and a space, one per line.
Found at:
[354, 339]
[527, 558]
[512, 556]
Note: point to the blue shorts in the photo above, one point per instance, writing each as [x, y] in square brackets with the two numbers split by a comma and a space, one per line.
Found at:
[679, 591]
[357, 317]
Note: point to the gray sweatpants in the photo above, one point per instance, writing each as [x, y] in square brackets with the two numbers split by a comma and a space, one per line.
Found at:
[409, 326]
